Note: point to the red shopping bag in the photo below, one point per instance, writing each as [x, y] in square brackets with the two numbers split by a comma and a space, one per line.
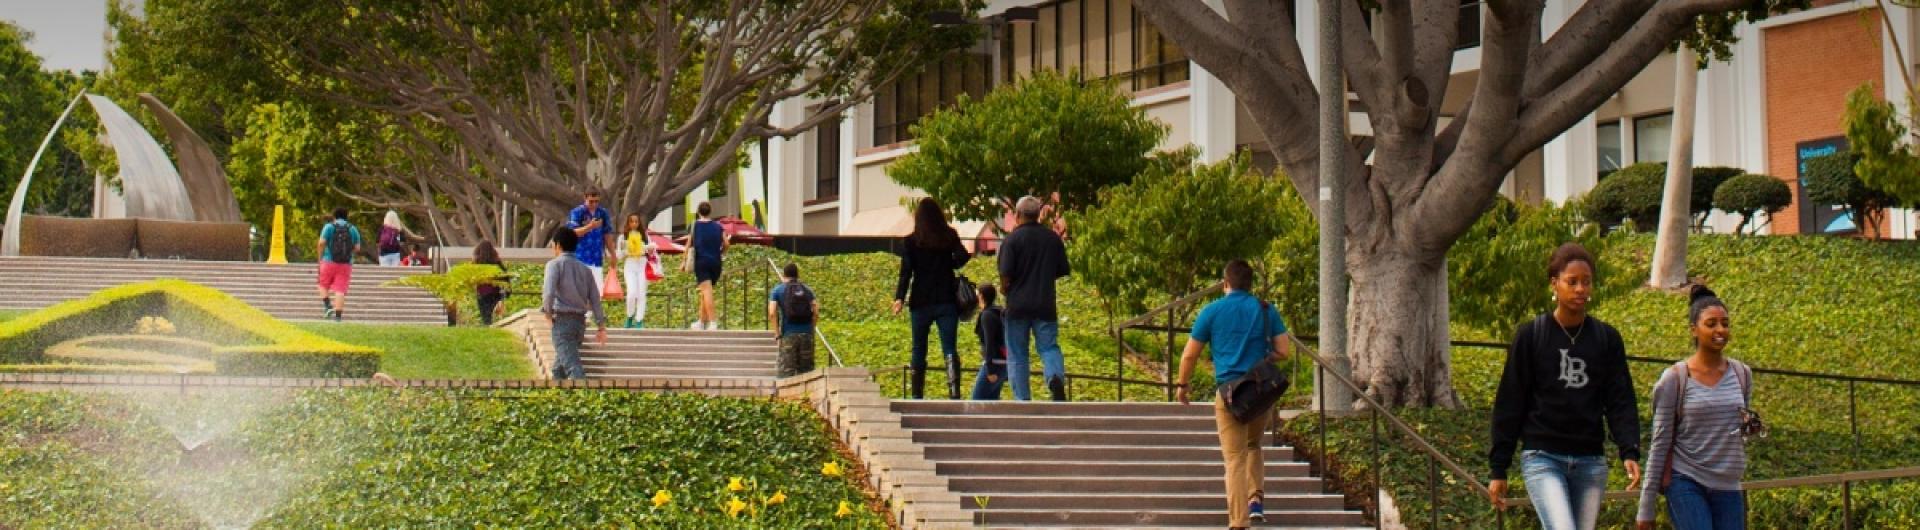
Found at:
[612, 291]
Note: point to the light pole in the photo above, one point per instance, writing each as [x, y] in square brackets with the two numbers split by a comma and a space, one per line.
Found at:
[1333, 206]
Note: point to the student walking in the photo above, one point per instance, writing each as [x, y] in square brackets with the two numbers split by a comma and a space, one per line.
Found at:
[706, 246]
[1698, 452]
[339, 241]
[594, 227]
[640, 261]
[490, 296]
[991, 328]
[567, 296]
[1241, 331]
[796, 309]
[1032, 258]
[929, 287]
[1564, 389]
[394, 238]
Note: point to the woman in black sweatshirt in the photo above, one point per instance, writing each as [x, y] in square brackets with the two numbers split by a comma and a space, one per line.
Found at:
[927, 285]
[1564, 389]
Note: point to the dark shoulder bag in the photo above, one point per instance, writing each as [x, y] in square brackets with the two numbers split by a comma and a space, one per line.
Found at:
[1255, 392]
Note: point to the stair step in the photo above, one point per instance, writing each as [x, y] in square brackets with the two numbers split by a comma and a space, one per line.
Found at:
[692, 361]
[684, 372]
[968, 485]
[1018, 437]
[1055, 453]
[1135, 501]
[1058, 422]
[1111, 469]
[1216, 517]
[1052, 408]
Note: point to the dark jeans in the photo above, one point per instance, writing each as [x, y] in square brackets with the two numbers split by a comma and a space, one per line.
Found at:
[569, 332]
[948, 317]
[989, 390]
[487, 304]
[1695, 507]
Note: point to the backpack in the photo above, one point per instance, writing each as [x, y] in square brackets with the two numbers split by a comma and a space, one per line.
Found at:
[797, 303]
[340, 245]
[389, 240]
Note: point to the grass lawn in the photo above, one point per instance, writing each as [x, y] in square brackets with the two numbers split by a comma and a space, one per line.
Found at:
[359, 458]
[428, 352]
[10, 314]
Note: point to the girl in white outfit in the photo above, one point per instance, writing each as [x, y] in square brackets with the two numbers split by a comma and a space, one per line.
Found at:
[636, 251]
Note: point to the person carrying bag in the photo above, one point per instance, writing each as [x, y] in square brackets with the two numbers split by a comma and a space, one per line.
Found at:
[1246, 337]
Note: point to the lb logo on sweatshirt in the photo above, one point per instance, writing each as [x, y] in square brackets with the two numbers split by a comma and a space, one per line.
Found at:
[1573, 370]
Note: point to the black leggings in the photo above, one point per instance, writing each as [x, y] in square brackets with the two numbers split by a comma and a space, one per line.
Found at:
[487, 303]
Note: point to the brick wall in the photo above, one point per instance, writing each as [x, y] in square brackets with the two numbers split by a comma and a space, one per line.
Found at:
[1809, 68]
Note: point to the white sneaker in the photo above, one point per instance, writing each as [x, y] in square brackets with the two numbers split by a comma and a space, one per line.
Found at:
[696, 326]
[713, 326]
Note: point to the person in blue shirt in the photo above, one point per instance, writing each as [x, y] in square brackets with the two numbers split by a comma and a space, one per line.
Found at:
[594, 227]
[707, 241]
[794, 307]
[1241, 330]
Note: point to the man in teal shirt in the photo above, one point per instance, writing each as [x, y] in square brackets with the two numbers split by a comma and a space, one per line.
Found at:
[1241, 331]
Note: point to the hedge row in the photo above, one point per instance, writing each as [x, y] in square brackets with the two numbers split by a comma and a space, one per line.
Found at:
[251, 342]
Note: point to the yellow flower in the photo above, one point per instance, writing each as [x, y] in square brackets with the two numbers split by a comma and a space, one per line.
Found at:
[845, 510]
[734, 506]
[735, 485]
[832, 469]
[777, 498]
[661, 498]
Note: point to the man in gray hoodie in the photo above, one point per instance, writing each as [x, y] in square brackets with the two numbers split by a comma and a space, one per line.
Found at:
[567, 295]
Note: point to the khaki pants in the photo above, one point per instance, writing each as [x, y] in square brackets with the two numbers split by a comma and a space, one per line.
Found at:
[1246, 464]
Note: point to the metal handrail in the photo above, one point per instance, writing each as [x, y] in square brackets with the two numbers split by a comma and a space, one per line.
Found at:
[1189, 299]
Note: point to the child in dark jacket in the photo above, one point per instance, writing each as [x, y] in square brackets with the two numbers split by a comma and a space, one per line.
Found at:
[990, 327]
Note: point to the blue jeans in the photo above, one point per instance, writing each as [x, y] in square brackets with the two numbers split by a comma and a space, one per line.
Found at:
[569, 332]
[1053, 366]
[948, 317]
[1565, 489]
[989, 390]
[1695, 507]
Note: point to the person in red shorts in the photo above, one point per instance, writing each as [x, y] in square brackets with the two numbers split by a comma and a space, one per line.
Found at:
[339, 242]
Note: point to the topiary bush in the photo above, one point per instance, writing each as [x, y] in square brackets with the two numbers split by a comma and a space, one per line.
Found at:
[1748, 195]
[1706, 179]
[1830, 179]
[1633, 192]
[251, 342]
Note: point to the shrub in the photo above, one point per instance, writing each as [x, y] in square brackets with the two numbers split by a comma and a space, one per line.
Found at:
[1831, 179]
[251, 341]
[1748, 195]
[1171, 231]
[1633, 192]
[1706, 179]
[1499, 265]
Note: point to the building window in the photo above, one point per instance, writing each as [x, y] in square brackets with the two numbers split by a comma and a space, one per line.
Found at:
[1101, 39]
[1469, 24]
[826, 160]
[1652, 136]
[901, 103]
[1607, 137]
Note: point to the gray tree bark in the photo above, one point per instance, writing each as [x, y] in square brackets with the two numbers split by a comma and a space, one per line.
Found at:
[1426, 184]
[1670, 246]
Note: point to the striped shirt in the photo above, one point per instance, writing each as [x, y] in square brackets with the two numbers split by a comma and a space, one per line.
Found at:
[1708, 448]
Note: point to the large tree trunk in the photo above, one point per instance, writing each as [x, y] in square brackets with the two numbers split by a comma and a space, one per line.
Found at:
[1670, 249]
[1398, 327]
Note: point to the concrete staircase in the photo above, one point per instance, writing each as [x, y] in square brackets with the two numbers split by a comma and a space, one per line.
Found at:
[1103, 465]
[284, 291]
[741, 362]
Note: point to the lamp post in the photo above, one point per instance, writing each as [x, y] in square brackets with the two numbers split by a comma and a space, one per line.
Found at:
[1333, 206]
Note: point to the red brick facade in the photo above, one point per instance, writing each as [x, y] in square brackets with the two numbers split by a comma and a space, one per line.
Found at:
[1810, 66]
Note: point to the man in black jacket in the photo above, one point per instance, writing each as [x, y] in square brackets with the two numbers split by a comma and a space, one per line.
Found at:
[1031, 259]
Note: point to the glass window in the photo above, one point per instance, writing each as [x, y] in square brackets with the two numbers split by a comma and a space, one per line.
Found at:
[1652, 136]
[826, 159]
[1607, 137]
[898, 105]
[1469, 25]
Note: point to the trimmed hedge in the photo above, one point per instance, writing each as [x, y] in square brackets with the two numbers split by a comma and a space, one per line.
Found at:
[1633, 192]
[252, 343]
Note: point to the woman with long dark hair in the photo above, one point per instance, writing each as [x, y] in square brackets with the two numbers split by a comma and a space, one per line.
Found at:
[1698, 463]
[1564, 389]
[927, 286]
[637, 253]
[489, 295]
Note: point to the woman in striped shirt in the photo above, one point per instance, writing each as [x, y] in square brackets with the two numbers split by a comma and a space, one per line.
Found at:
[1699, 410]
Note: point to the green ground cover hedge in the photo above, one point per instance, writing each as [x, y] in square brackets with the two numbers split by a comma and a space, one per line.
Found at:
[369, 458]
[1803, 303]
[434, 352]
[250, 342]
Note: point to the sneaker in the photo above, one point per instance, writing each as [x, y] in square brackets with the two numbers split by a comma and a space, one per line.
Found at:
[697, 325]
[713, 326]
[1255, 511]
[339, 315]
[328, 315]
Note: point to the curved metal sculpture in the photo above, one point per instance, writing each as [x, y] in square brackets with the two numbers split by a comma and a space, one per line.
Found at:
[10, 239]
[148, 180]
[205, 181]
